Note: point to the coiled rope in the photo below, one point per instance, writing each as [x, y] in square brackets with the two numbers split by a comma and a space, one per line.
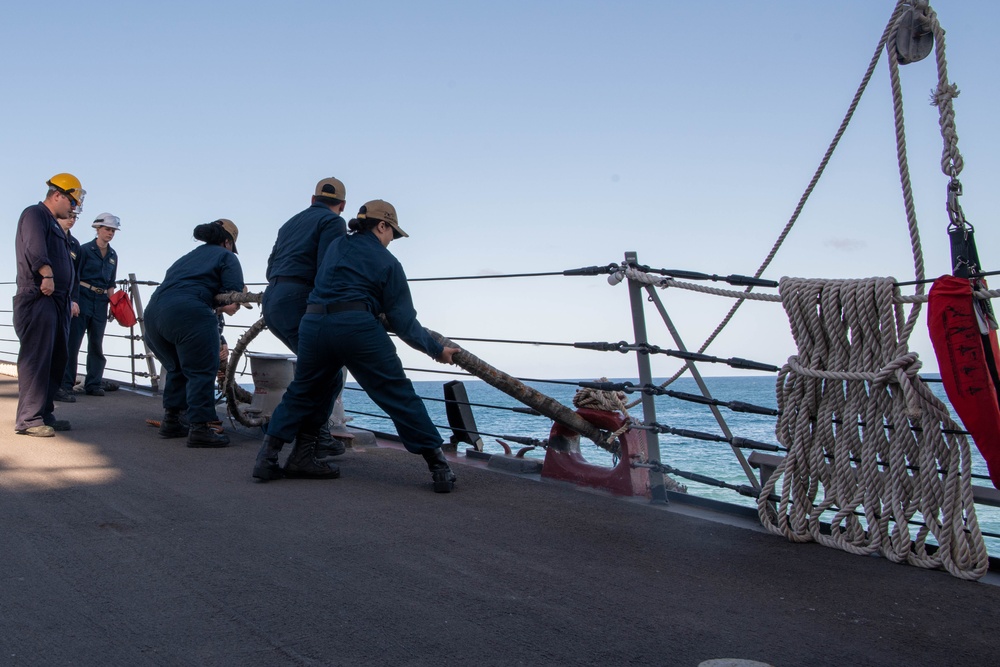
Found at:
[853, 366]
[609, 401]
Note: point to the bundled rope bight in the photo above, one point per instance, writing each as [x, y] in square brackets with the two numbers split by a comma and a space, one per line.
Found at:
[853, 367]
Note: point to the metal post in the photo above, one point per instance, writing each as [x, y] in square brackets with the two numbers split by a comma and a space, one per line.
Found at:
[656, 485]
[133, 287]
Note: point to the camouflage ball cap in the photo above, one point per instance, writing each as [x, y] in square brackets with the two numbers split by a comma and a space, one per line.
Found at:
[378, 209]
[332, 189]
[231, 229]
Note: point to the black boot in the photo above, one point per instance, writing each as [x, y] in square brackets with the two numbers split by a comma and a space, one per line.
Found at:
[444, 478]
[201, 435]
[174, 424]
[302, 461]
[327, 446]
[266, 468]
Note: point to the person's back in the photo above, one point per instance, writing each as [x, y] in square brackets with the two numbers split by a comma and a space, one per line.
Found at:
[297, 253]
[182, 331]
[302, 241]
[198, 276]
[360, 269]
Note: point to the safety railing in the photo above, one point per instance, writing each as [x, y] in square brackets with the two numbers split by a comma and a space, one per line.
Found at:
[713, 434]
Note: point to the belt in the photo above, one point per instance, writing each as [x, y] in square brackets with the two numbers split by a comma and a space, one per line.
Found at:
[292, 279]
[95, 290]
[339, 307]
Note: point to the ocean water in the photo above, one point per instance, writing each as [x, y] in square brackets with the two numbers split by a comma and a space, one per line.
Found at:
[715, 460]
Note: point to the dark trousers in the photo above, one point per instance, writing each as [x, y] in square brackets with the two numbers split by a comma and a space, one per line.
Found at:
[185, 339]
[92, 322]
[283, 306]
[357, 342]
[42, 326]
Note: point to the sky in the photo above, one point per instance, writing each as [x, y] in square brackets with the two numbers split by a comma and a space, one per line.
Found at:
[513, 137]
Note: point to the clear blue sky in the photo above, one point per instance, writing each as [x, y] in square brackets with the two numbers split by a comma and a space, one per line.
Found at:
[512, 137]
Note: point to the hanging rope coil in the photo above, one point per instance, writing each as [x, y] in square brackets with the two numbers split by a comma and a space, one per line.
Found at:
[853, 366]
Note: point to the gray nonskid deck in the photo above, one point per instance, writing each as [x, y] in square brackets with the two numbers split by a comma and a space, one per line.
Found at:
[122, 548]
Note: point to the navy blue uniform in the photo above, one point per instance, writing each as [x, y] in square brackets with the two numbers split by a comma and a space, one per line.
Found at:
[74, 254]
[291, 268]
[182, 329]
[100, 274]
[357, 269]
[40, 322]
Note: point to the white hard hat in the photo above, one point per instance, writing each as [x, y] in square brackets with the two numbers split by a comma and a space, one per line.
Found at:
[107, 220]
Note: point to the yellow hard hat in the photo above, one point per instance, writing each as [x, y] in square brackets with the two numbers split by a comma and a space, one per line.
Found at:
[69, 185]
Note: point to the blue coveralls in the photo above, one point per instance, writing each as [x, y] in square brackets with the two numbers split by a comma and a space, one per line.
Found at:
[40, 322]
[291, 269]
[100, 273]
[182, 329]
[357, 269]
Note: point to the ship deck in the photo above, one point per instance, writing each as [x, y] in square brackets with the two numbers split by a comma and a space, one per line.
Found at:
[121, 548]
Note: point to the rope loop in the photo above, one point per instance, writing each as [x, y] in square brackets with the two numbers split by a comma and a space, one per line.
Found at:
[904, 366]
[852, 376]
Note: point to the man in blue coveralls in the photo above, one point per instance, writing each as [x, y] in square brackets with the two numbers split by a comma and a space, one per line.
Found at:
[97, 269]
[42, 306]
[291, 272]
[74, 297]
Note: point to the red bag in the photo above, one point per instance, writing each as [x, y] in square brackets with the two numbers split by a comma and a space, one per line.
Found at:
[121, 309]
[962, 361]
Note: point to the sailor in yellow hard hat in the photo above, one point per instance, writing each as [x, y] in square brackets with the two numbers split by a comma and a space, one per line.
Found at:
[42, 304]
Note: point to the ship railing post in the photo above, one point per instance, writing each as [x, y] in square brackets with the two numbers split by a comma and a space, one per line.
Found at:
[696, 374]
[657, 488]
[133, 286]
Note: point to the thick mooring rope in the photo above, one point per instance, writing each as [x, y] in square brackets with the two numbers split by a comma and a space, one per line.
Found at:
[853, 367]
[230, 385]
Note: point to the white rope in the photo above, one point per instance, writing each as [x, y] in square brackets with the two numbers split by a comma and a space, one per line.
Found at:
[608, 401]
[665, 283]
[904, 180]
[941, 97]
[852, 368]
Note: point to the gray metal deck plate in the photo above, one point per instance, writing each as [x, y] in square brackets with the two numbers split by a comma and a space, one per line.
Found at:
[120, 548]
